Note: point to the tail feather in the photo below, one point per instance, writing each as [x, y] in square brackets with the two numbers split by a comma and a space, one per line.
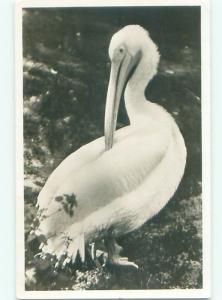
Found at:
[82, 247]
[73, 250]
[60, 248]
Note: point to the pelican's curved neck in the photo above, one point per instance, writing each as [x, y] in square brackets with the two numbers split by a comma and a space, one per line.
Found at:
[134, 94]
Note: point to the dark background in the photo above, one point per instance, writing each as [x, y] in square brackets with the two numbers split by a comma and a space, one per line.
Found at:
[66, 71]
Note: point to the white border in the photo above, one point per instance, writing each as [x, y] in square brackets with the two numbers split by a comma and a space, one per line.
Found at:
[205, 292]
[98, 3]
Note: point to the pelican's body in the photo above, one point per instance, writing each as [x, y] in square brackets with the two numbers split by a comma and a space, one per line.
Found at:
[99, 191]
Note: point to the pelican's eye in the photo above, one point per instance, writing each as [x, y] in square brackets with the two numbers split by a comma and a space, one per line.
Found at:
[121, 50]
[118, 53]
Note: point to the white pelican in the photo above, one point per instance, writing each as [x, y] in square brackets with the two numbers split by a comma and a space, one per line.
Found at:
[113, 185]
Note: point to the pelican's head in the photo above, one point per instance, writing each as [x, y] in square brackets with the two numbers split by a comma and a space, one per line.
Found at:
[128, 47]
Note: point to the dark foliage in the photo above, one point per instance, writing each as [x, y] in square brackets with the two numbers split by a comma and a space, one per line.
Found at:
[66, 69]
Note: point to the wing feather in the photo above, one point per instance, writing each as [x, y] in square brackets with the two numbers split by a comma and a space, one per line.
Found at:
[72, 163]
[96, 178]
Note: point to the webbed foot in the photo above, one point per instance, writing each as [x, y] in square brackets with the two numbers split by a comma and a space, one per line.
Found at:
[122, 262]
[114, 258]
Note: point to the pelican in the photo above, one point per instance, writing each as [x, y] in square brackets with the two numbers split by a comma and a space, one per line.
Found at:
[113, 185]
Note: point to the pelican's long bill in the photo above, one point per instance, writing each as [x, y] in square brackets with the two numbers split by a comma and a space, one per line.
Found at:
[121, 68]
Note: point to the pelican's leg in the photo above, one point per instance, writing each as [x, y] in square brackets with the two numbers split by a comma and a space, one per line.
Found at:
[93, 253]
[114, 257]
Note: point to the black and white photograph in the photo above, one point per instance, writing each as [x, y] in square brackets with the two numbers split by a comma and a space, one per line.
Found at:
[112, 150]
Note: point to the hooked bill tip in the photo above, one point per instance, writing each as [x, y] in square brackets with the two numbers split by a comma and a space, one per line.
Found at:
[108, 146]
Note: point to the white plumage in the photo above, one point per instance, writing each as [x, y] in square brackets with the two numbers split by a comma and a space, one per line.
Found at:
[112, 186]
